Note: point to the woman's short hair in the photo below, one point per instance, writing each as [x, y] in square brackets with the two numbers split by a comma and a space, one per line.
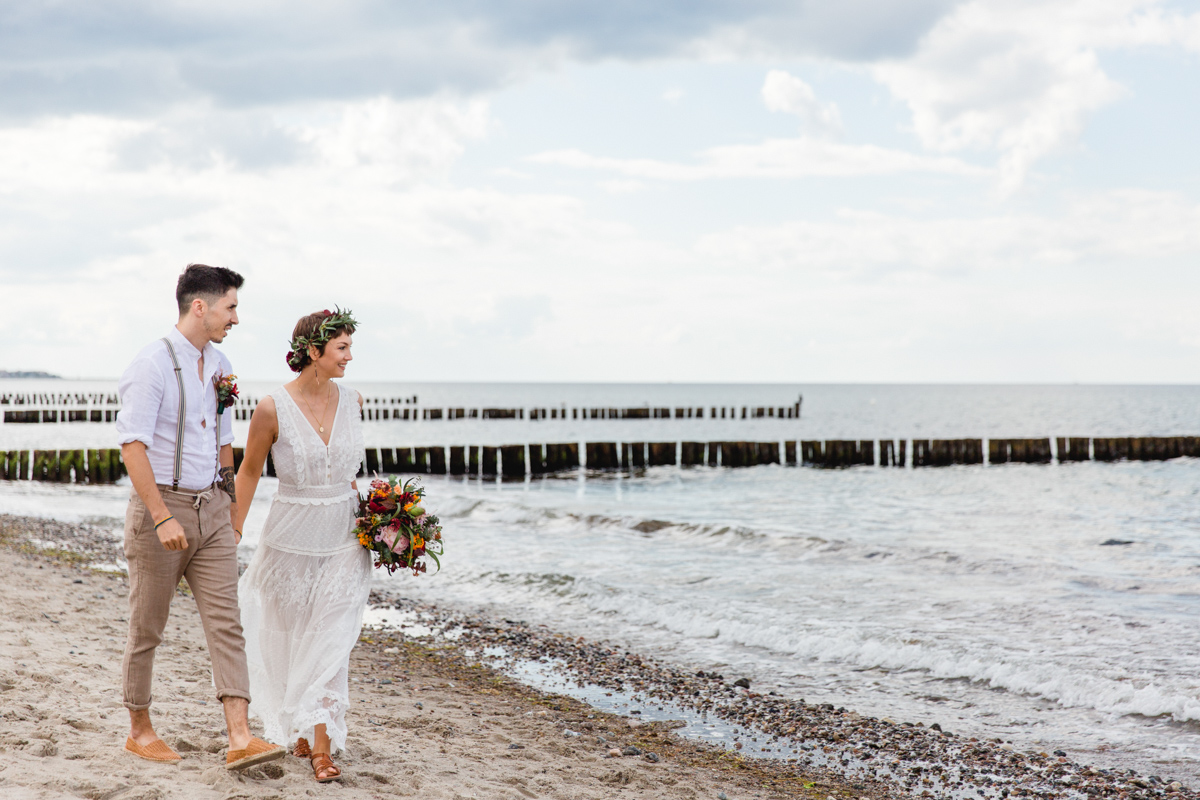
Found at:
[307, 327]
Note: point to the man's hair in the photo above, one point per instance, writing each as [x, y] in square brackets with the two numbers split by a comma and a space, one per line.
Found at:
[201, 280]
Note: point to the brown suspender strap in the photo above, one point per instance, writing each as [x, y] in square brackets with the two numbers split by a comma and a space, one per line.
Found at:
[182, 415]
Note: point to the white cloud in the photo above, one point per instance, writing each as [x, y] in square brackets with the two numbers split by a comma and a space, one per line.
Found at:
[1093, 233]
[406, 139]
[787, 93]
[1021, 77]
[774, 158]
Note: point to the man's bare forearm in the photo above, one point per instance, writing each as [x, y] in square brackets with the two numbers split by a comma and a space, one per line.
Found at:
[227, 483]
[141, 474]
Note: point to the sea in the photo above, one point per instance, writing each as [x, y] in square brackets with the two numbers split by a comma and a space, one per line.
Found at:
[1054, 606]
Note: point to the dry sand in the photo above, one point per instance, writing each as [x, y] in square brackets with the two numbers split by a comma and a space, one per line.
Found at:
[474, 734]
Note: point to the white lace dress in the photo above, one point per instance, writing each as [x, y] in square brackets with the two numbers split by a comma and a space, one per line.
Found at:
[303, 595]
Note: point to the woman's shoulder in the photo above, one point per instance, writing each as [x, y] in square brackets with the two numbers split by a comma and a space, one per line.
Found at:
[351, 393]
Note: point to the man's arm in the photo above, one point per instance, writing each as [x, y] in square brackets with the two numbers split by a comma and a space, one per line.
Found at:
[137, 464]
[227, 483]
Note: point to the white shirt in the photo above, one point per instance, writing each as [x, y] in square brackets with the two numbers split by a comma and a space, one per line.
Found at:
[150, 408]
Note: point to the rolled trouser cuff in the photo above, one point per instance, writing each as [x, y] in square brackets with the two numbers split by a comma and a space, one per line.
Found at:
[136, 706]
[242, 693]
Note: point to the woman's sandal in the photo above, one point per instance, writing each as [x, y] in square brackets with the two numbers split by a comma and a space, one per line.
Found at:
[324, 770]
[302, 750]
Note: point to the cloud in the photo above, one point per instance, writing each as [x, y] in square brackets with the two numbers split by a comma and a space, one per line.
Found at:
[771, 159]
[1092, 232]
[1021, 77]
[789, 94]
[133, 57]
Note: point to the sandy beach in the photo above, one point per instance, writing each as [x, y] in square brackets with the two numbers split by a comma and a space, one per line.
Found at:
[438, 726]
[431, 720]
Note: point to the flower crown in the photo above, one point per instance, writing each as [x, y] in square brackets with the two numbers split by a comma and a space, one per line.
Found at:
[325, 331]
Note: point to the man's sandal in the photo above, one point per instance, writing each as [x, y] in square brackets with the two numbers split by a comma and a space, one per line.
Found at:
[158, 751]
[257, 752]
[324, 770]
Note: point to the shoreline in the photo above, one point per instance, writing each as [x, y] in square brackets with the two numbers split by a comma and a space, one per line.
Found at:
[466, 678]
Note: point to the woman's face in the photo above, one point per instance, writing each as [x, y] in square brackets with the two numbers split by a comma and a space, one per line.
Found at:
[337, 355]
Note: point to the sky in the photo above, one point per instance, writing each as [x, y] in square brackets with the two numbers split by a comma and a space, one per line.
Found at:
[710, 191]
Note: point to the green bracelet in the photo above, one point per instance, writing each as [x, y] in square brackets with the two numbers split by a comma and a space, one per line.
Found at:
[164, 522]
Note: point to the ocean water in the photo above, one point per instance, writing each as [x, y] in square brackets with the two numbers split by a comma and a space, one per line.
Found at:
[1054, 606]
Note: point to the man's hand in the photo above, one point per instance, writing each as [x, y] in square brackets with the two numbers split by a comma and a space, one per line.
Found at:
[171, 534]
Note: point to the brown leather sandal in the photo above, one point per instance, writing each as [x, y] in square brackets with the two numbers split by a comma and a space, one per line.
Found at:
[302, 750]
[324, 770]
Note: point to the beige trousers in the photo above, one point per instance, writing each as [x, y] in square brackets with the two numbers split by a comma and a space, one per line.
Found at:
[210, 566]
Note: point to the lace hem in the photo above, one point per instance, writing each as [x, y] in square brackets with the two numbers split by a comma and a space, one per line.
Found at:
[313, 501]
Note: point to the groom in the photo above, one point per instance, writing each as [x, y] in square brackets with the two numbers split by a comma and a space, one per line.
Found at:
[178, 451]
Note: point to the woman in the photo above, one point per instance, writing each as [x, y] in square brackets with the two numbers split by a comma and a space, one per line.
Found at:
[303, 595]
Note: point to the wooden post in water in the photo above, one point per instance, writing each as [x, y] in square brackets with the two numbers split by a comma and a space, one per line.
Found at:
[41, 469]
[662, 454]
[372, 462]
[732, 454]
[768, 453]
[714, 453]
[421, 460]
[811, 453]
[560, 457]
[691, 454]
[537, 462]
[473, 459]
[602, 455]
[387, 460]
[458, 463]
[789, 453]
[437, 460]
[107, 458]
[512, 460]
[489, 461]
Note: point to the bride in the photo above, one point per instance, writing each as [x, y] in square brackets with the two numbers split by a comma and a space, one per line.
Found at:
[303, 595]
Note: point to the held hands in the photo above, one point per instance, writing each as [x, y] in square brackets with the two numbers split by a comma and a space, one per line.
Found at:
[171, 534]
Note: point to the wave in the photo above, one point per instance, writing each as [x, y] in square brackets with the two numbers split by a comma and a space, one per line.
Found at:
[565, 597]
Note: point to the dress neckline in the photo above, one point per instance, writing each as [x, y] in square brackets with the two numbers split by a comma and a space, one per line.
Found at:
[336, 414]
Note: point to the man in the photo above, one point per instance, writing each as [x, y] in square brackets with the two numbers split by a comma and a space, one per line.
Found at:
[178, 451]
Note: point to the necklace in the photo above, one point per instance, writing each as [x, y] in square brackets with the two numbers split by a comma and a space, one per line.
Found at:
[320, 425]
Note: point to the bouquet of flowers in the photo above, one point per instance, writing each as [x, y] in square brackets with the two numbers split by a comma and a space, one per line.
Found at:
[227, 391]
[393, 525]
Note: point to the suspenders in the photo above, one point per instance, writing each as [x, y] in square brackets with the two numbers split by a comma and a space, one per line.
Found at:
[182, 416]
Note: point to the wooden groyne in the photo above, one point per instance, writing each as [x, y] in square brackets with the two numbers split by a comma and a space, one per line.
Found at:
[62, 466]
[519, 460]
[43, 407]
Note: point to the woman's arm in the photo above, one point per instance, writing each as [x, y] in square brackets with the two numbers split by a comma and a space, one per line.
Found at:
[264, 430]
[354, 483]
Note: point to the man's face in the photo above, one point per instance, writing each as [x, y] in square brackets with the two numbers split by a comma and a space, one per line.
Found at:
[220, 315]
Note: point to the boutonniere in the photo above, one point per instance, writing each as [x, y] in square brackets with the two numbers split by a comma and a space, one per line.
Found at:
[227, 391]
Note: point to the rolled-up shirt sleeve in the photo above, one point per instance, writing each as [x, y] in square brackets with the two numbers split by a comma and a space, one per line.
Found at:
[226, 419]
[141, 390]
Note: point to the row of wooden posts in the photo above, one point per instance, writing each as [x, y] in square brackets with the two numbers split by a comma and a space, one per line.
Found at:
[376, 408]
[64, 466]
[105, 465]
